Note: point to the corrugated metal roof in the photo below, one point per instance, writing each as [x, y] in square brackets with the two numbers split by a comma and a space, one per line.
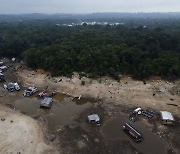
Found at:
[94, 117]
[167, 115]
[46, 101]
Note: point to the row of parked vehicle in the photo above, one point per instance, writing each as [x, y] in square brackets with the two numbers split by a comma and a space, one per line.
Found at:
[47, 96]
[2, 69]
[47, 99]
[12, 86]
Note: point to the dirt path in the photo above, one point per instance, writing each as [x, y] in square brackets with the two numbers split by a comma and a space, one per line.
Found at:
[21, 134]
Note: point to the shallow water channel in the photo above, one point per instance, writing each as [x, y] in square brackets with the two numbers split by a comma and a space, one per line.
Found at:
[65, 114]
[27, 105]
[151, 143]
[64, 110]
[67, 111]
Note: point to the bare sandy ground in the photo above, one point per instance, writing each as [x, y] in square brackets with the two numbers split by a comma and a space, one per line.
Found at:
[21, 134]
[127, 91]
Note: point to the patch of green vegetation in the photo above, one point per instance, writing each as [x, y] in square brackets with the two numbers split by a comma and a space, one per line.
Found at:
[95, 50]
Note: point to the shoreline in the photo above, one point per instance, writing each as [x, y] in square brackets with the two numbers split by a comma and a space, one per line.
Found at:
[113, 100]
[154, 94]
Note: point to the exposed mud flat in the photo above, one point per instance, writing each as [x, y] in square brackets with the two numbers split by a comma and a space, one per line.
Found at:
[88, 138]
[27, 106]
[151, 143]
[65, 125]
[65, 114]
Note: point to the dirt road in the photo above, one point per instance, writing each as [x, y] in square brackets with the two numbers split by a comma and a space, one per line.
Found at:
[21, 134]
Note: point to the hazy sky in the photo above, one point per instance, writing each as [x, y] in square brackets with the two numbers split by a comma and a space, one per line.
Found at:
[87, 6]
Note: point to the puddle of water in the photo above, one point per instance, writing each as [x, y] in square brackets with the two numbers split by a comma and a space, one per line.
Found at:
[151, 143]
[65, 114]
[27, 106]
[60, 97]
[84, 100]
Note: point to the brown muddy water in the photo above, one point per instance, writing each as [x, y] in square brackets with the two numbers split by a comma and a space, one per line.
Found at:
[59, 97]
[151, 143]
[66, 111]
[27, 106]
[65, 114]
[84, 100]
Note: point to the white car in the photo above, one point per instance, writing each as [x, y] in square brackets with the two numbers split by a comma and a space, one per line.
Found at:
[30, 91]
[3, 68]
[138, 110]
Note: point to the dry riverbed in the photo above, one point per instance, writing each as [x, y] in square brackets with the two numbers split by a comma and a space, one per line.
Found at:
[64, 127]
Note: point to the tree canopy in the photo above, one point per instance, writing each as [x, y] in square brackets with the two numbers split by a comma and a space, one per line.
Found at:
[97, 50]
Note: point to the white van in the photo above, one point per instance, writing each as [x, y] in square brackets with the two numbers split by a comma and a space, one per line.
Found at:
[16, 86]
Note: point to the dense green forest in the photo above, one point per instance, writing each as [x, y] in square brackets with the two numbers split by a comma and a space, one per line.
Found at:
[97, 50]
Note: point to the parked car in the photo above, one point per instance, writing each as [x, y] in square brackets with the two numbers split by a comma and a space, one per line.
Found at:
[1, 75]
[2, 79]
[30, 91]
[16, 86]
[3, 68]
[10, 87]
[138, 111]
[132, 132]
[1, 63]
[47, 102]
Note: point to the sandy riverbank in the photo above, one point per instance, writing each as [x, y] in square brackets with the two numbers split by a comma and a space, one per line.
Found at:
[127, 91]
[21, 134]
